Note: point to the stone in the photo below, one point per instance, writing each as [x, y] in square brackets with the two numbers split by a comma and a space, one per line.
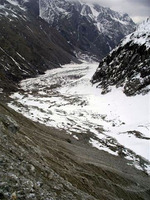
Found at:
[9, 123]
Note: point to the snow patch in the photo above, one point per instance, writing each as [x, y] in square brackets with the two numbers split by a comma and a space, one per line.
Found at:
[141, 36]
[65, 99]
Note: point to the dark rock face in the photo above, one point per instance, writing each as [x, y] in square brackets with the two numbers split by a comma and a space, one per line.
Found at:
[91, 28]
[128, 66]
[28, 46]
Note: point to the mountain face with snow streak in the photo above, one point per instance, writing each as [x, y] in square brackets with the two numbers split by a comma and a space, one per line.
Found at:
[91, 28]
[128, 66]
[28, 45]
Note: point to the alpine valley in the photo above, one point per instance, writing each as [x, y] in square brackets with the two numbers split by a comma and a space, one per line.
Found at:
[74, 102]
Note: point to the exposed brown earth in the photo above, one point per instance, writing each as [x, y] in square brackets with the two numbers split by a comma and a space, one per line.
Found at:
[39, 162]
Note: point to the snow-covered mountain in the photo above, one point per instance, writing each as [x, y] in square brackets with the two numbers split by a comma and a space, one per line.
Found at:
[28, 45]
[128, 66]
[76, 143]
[90, 27]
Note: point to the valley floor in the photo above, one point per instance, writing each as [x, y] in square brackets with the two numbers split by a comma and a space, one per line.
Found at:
[65, 99]
[76, 152]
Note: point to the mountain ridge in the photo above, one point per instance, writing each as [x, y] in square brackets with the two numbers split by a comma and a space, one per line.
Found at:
[28, 45]
[127, 66]
[91, 28]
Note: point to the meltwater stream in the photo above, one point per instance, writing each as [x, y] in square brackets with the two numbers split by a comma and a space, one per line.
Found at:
[64, 98]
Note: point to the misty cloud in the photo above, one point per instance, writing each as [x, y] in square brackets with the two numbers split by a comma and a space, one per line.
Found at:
[137, 9]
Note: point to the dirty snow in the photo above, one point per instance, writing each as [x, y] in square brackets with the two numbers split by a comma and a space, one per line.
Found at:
[65, 99]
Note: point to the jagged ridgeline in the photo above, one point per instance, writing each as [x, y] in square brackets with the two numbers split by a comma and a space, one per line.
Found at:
[91, 28]
[128, 66]
[28, 45]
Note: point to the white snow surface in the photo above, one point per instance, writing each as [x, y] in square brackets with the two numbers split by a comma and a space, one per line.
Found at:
[141, 36]
[64, 98]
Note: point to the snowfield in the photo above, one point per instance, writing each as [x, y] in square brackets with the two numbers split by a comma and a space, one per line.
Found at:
[140, 36]
[65, 99]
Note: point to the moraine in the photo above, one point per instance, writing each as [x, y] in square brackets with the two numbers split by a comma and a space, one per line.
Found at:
[65, 99]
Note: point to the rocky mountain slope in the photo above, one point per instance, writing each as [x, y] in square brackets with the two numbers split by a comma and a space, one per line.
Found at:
[91, 28]
[39, 163]
[28, 45]
[128, 66]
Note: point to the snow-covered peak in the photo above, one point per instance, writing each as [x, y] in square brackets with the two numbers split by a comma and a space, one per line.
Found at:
[89, 27]
[141, 36]
[90, 10]
[97, 11]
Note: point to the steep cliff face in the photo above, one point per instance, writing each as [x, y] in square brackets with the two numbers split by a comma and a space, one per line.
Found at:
[128, 66]
[91, 28]
[28, 45]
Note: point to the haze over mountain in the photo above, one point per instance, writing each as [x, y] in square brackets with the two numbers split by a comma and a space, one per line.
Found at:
[138, 14]
[91, 28]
